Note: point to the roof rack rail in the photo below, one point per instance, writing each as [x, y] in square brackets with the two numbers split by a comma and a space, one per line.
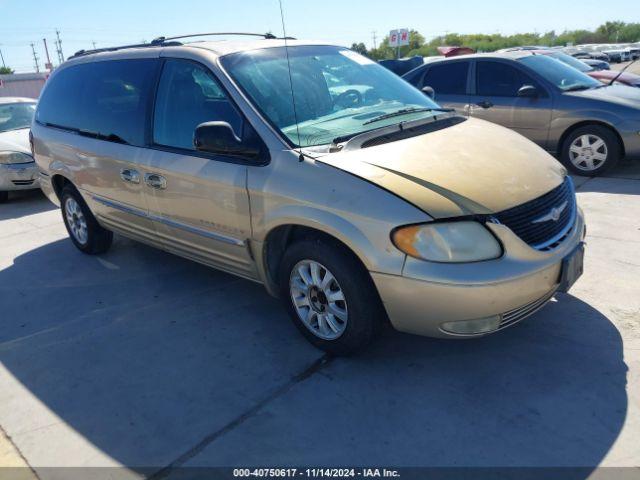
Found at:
[171, 42]
[266, 36]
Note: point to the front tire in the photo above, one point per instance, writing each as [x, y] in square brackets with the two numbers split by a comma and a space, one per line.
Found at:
[83, 228]
[591, 150]
[330, 296]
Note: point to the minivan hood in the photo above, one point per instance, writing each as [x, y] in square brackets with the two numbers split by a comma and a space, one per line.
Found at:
[474, 167]
[15, 141]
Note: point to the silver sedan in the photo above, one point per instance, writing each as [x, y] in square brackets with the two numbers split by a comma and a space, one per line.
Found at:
[18, 171]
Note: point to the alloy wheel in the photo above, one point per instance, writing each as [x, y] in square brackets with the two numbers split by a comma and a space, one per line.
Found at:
[76, 221]
[318, 300]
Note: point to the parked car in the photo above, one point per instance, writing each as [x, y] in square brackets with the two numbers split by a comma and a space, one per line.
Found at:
[596, 64]
[605, 76]
[403, 65]
[588, 125]
[591, 55]
[350, 206]
[618, 55]
[17, 169]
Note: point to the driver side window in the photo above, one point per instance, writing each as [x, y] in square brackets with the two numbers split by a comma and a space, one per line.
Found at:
[498, 79]
[187, 96]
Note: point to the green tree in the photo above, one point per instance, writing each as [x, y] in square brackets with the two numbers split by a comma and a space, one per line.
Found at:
[5, 71]
[360, 48]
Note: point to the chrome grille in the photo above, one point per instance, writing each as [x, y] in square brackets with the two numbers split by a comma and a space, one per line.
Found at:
[543, 235]
[520, 313]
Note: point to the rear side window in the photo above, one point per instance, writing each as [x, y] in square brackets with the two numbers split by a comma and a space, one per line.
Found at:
[448, 78]
[107, 99]
[499, 79]
[188, 95]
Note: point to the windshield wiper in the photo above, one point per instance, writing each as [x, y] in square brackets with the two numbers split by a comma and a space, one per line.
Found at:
[576, 88]
[406, 111]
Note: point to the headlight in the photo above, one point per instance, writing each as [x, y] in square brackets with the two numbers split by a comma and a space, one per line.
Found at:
[15, 157]
[451, 242]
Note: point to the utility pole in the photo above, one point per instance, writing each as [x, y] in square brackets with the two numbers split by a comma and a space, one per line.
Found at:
[375, 45]
[59, 47]
[94, 44]
[35, 57]
[48, 65]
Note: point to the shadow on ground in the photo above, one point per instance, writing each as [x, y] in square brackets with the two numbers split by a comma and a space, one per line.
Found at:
[145, 355]
[23, 203]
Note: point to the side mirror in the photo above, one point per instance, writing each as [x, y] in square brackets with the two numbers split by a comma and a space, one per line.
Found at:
[429, 92]
[219, 138]
[528, 91]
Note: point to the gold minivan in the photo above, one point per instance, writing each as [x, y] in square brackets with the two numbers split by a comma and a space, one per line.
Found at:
[307, 167]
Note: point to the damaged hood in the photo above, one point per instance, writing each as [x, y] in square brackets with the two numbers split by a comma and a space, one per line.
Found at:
[474, 167]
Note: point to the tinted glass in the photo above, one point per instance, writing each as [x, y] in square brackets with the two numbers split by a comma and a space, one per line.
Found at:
[571, 61]
[448, 79]
[188, 95]
[338, 93]
[562, 76]
[499, 79]
[107, 99]
[14, 116]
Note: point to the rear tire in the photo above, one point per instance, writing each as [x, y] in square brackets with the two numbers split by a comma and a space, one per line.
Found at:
[591, 150]
[337, 307]
[4, 197]
[83, 228]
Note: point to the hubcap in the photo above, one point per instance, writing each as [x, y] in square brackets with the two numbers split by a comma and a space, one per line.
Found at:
[588, 152]
[76, 221]
[318, 300]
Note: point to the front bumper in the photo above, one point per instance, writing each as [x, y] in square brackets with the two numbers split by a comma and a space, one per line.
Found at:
[18, 176]
[513, 287]
[630, 133]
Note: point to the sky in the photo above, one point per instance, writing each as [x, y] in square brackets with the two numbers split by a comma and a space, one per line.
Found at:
[117, 22]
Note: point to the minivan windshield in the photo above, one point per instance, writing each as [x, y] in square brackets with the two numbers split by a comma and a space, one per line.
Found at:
[15, 116]
[338, 93]
[563, 76]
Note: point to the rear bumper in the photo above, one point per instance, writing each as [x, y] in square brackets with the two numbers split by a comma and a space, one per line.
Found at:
[47, 188]
[511, 288]
[19, 176]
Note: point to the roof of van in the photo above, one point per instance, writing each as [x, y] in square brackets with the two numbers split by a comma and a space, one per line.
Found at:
[218, 47]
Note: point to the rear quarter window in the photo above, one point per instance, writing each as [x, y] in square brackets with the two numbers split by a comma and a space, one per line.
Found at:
[102, 98]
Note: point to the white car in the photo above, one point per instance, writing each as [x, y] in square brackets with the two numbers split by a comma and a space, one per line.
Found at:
[18, 171]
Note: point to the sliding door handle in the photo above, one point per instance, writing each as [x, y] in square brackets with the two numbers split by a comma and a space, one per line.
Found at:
[155, 181]
[129, 175]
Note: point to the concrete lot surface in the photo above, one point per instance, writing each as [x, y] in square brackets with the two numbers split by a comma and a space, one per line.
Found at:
[142, 359]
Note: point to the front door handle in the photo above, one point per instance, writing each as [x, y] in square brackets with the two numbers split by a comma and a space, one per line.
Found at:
[485, 104]
[155, 181]
[129, 175]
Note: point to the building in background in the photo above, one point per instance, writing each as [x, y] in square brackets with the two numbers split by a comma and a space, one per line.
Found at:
[22, 84]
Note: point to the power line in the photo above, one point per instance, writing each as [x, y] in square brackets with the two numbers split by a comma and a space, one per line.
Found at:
[35, 57]
[58, 43]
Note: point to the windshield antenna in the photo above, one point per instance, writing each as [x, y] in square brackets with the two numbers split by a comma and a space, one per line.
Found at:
[293, 98]
[622, 71]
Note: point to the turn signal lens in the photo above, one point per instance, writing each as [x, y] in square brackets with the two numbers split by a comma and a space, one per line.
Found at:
[453, 242]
